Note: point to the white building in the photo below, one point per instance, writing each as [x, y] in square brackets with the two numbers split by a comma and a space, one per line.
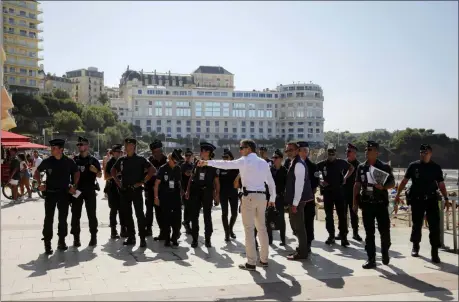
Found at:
[182, 108]
[87, 84]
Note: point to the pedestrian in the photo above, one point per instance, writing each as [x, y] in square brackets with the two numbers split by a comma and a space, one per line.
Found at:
[228, 196]
[373, 199]
[351, 153]
[203, 188]
[335, 172]
[157, 159]
[168, 192]
[310, 208]
[36, 161]
[59, 170]
[132, 168]
[15, 173]
[186, 168]
[25, 175]
[114, 197]
[255, 173]
[279, 174]
[90, 169]
[298, 193]
[426, 177]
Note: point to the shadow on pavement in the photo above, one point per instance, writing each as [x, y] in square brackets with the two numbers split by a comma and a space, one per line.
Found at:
[402, 278]
[443, 267]
[16, 203]
[116, 250]
[392, 253]
[219, 260]
[59, 259]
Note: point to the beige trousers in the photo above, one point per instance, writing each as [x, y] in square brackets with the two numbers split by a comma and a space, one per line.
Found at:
[253, 210]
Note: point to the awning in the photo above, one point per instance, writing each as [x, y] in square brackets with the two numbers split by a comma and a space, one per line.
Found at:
[23, 145]
[13, 137]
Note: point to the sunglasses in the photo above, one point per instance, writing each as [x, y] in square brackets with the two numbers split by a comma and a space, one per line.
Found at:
[187, 155]
[243, 147]
[288, 150]
[275, 157]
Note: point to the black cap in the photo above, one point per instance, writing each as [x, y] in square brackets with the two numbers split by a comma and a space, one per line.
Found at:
[263, 149]
[227, 152]
[156, 144]
[188, 151]
[351, 147]
[180, 151]
[57, 142]
[207, 146]
[130, 140]
[331, 148]
[372, 144]
[302, 144]
[425, 147]
[117, 148]
[176, 155]
[278, 153]
[82, 140]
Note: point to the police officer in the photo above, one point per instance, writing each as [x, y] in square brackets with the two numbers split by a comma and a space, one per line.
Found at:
[59, 170]
[157, 159]
[351, 153]
[264, 155]
[426, 177]
[114, 197]
[228, 196]
[279, 174]
[186, 168]
[132, 168]
[168, 192]
[310, 208]
[332, 170]
[370, 193]
[89, 168]
[203, 188]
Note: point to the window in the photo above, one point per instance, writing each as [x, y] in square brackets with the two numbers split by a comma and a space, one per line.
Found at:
[299, 129]
[188, 123]
[168, 112]
[243, 123]
[137, 123]
[317, 124]
[169, 130]
[158, 122]
[270, 130]
[234, 130]
[148, 129]
[168, 104]
[238, 113]
[207, 123]
[149, 91]
[160, 92]
[252, 124]
[300, 114]
[310, 130]
[198, 129]
[254, 95]
[225, 130]
[198, 123]
[158, 111]
[243, 130]
[158, 129]
[238, 94]
[159, 103]
[183, 93]
[217, 123]
[183, 112]
[260, 130]
[216, 93]
[317, 130]
[261, 95]
[252, 113]
[208, 93]
[188, 129]
[291, 130]
[300, 123]
[224, 93]
[198, 109]
[179, 129]
[260, 113]
[175, 93]
[270, 124]
[179, 122]
[168, 122]
[150, 111]
[217, 130]
[269, 113]
[182, 104]
[212, 109]
[226, 110]
[238, 106]
[208, 130]
[200, 93]
[300, 135]
[260, 123]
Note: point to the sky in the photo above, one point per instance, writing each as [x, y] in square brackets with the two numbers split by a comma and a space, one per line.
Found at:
[387, 65]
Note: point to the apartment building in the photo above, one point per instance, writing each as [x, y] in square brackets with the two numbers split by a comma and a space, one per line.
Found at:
[6, 118]
[112, 92]
[88, 84]
[207, 106]
[22, 43]
[53, 82]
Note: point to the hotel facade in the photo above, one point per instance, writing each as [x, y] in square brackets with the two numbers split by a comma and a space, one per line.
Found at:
[204, 104]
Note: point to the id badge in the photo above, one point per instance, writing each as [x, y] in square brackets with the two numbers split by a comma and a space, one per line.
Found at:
[370, 189]
[202, 176]
[171, 184]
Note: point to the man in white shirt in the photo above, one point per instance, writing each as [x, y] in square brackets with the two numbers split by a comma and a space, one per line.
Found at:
[255, 172]
[36, 161]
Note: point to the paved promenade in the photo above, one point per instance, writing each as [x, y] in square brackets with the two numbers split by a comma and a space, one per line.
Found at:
[111, 271]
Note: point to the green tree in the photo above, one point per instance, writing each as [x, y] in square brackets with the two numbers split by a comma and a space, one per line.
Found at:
[103, 99]
[98, 117]
[61, 94]
[67, 122]
[113, 135]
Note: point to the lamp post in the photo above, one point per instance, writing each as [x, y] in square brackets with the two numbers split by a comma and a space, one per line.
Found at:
[338, 136]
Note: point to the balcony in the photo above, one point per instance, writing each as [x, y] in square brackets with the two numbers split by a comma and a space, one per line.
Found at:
[27, 5]
[22, 74]
[34, 37]
[24, 44]
[27, 17]
[25, 55]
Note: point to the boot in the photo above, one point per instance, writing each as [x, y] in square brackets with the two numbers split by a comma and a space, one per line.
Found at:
[330, 240]
[48, 248]
[231, 225]
[61, 244]
[356, 236]
[76, 241]
[208, 243]
[226, 227]
[148, 231]
[129, 241]
[415, 250]
[344, 242]
[143, 242]
[194, 244]
[93, 241]
[123, 232]
[385, 256]
[371, 263]
[434, 254]
[114, 233]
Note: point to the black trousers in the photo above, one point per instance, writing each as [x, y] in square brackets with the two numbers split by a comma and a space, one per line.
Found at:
[298, 225]
[229, 198]
[335, 199]
[61, 200]
[349, 200]
[172, 213]
[201, 198]
[281, 221]
[380, 212]
[309, 214]
[186, 210]
[89, 199]
[430, 208]
[114, 202]
[128, 198]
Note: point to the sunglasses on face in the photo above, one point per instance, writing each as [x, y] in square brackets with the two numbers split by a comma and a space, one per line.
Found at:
[369, 149]
[242, 147]
[423, 152]
[288, 150]
[275, 157]
[331, 154]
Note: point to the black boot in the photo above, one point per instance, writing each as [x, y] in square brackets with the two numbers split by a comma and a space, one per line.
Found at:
[344, 241]
[434, 254]
[76, 241]
[194, 244]
[356, 236]
[123, 232]
[114, 233]
[415, 250]
[338, 237]
[208, 243]
[371, 263]
[226, 227]
[148, 231]
[48, 248]
[330, 240]
[143, 242]
[93, 241]
[61, 244]
[385, 256]
[129, 241]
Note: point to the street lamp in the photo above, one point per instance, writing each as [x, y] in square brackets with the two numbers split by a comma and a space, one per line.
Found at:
[98, 141]
[338, 136]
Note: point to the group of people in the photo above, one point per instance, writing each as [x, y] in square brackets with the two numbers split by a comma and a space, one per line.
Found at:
[265, 185]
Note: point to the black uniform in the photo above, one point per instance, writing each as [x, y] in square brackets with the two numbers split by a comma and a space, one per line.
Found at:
[58, 175]
[333, 173]
[348, 196]
[170, 201]
[132, 170]
[149, 200]
[310, 208]
[374, 204]
[423, 198]
[186, 167]
[228, 195]
[87, 187]
[114, 199]
[279, 176]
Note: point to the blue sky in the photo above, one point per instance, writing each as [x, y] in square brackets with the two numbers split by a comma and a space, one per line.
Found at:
[381, 64]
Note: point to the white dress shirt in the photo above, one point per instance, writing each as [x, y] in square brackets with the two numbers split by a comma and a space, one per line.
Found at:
[254, 172]
[36, 162]
[299, 183]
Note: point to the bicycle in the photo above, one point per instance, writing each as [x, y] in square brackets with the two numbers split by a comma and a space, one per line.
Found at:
[8, 193]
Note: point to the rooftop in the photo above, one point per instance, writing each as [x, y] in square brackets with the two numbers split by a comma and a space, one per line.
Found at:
[212, 70]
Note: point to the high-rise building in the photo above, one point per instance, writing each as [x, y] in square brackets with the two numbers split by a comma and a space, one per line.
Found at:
[53, 82]
[22, 43]
[88, 84]
[206, 105]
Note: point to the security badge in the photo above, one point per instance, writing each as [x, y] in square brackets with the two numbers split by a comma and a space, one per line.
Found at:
[416, 173]
[325, 171]
[202, 176]
[82, 168]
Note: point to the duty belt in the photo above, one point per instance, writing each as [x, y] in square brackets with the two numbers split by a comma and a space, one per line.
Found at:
[245, 192]
[130, 187]
[371, 199]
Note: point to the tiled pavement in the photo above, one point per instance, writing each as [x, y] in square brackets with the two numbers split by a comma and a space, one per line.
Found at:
[113, 272]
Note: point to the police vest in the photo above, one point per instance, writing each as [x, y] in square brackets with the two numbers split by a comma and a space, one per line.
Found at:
[203, 177]
[368, 192]
[290, 183]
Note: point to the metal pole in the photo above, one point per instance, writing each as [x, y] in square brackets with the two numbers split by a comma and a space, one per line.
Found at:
[442, 223]
[453, 207]
[98, 141]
